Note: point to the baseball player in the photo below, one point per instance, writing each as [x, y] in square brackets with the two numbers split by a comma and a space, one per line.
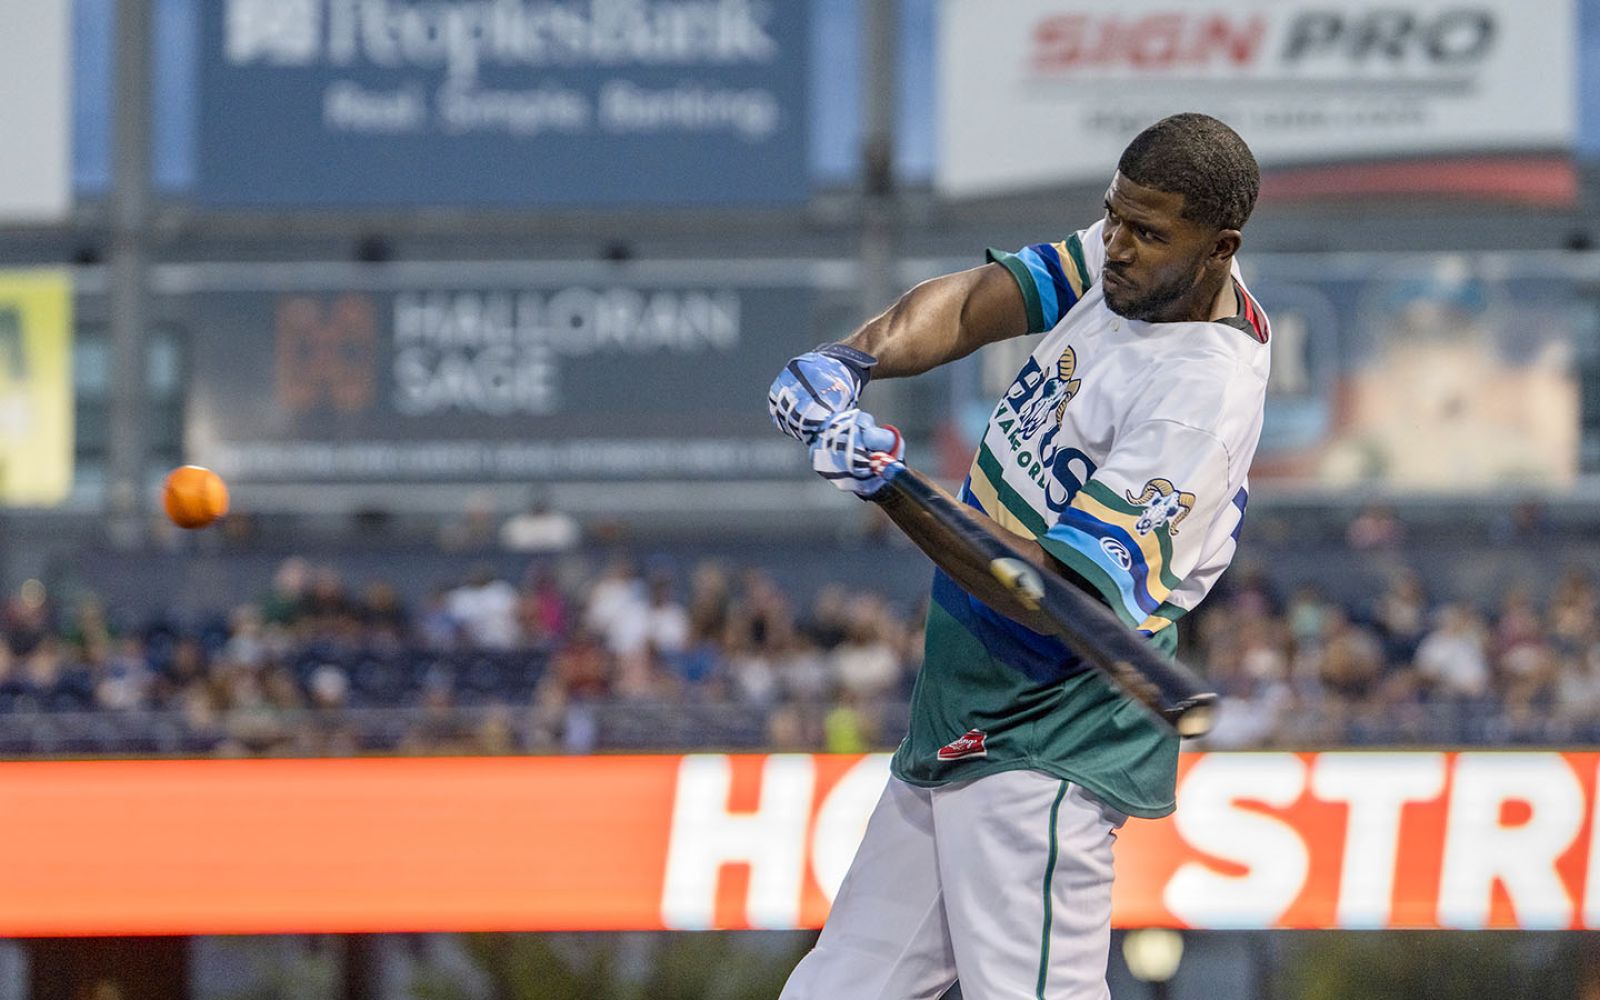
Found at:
[1118, 459]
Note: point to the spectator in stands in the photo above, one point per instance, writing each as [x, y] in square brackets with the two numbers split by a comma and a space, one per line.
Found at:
[41, 674]
[786, 730]
[1250, 592]
[659, 622]
[699, 665]
[543, 611]
[1352, 659]
[437, 628]
[485, 607]
[88, 629]
[1401, 614]
[804, 671]
[1308, 614]
[329, 686]
[829, 619]
[327, 610]
[283, 603]
[540, 528]
[640, 675]
[25, 617]
[616, 603]
[246, 643]
[1453, 659]
[709, 599]
[848, 727]
[124, 679]
[495, 734]
[1572, 612]
[185, 672]
[762, 606]
[752, 677]
[666, 621]
[440, 730]
[476, 529]
[383, 615]
[1377, 526]
[580, 669]
[1527, 519]
[865, 664]
[1577, 691]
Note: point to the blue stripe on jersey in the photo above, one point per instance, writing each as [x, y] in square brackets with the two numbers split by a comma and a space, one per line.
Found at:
[1136, 602]
[1066, 298]
[1138, 571]
[1042, 658]
[1043, 282]
[1240, 499]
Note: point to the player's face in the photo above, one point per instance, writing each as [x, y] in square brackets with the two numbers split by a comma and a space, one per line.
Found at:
[1156, 260]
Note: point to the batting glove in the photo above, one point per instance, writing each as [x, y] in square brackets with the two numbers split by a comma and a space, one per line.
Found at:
[852, 451]
[815, 386]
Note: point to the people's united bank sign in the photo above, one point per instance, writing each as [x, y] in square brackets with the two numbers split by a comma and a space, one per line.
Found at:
[502, 102]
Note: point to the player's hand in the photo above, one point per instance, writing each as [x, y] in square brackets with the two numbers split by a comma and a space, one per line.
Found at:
[815, 386]
[852, 450]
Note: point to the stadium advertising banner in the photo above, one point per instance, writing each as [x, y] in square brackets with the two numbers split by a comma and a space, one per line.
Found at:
[1043, 92]
[502, 102]
[1437, 374]
[35, 388]
[514, 383]
[1260, 840]
[35, 111]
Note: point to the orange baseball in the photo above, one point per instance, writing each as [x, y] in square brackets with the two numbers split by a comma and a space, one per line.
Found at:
[194, 496]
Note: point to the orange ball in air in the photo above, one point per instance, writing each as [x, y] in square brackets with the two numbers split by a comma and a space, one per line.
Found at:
[194, 496]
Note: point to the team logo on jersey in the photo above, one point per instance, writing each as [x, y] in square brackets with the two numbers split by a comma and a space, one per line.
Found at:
[970, 745]
[1163, 503]
[1053, 399]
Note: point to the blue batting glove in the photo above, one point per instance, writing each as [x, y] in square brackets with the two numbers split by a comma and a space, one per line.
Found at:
[852, 450]
[815, 386]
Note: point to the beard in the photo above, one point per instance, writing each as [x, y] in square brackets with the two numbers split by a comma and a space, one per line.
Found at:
[1146, 305]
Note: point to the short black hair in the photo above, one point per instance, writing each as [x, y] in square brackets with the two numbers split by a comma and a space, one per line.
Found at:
[1200, 158]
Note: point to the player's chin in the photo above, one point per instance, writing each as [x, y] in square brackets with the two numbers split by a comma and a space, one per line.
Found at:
[1122, 304]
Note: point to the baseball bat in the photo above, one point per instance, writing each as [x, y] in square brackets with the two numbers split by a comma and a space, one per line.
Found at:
[982, 559]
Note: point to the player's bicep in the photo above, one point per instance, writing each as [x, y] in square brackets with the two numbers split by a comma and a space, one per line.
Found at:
[994, 309]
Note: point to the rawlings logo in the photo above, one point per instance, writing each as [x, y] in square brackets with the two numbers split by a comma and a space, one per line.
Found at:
[1163, 503]
[1118, 553]
[970, 745]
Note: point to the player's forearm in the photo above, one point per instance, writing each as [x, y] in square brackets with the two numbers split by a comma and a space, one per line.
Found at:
[941, 320]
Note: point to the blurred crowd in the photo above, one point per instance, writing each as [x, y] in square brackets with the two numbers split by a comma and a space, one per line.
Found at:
[568, 657]
[574, 657]
[1398, 669]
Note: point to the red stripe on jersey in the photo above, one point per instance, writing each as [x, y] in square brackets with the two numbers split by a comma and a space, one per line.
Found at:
[1253, 315]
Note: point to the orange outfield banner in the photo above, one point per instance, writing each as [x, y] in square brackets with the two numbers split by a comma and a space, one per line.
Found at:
[1359, 839]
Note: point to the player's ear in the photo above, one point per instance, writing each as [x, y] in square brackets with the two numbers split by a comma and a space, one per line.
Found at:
[1225, 245]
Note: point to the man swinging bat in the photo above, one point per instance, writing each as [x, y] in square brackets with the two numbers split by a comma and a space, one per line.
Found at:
[1117, 461]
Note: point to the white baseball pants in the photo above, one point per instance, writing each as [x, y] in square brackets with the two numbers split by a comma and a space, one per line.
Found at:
[1003, 882]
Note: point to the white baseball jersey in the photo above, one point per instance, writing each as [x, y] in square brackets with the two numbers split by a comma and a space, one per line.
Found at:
[1122, 447]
